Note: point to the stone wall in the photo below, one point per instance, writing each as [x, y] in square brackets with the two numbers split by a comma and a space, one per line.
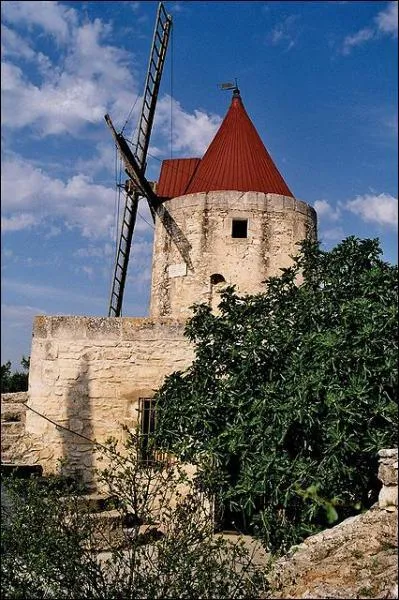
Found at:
[275, 225]
[13, 413]
[388, 475]
[87, 374]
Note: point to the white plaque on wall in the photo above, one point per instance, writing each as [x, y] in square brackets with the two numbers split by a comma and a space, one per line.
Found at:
[179, 270]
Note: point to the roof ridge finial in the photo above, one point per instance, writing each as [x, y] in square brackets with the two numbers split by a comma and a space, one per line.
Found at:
[236, 91]
[231, 86]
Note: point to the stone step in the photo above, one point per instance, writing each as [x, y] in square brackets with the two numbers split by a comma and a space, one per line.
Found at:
[95, 502]
[107, 530]
[12, 428]
[14, 398]
[113, 529]
[13, 411]
[7, 452]
[7, 441]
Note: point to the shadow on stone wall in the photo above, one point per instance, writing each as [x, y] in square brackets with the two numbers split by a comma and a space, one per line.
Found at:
[77, 451]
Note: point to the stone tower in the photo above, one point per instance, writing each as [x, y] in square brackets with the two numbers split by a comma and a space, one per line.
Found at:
[238, 215]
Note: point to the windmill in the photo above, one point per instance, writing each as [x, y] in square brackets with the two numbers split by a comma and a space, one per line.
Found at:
[135, 162]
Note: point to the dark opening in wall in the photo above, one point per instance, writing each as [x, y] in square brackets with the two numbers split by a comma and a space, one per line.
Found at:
[239, 228]
[148, 452]
[217, 278]
[147, 427]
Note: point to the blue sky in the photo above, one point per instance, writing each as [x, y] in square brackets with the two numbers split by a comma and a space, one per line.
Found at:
[318, 79]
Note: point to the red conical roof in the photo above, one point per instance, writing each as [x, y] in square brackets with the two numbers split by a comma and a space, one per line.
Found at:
[237, 159]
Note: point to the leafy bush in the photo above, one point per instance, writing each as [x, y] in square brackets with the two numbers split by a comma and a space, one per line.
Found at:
[292, 393]
[42, 540]
[51, 544]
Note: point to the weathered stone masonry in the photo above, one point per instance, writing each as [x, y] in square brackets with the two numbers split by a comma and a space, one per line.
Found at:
[275, 225]
[88, 374]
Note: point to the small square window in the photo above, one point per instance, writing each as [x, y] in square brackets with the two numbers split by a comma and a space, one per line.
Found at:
[239, 228]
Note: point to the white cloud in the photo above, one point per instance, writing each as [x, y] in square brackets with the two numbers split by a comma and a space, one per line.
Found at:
[141, 278]
[92, 251]
[92, 79]
[12, 44]
[89, 271]
[54, 18]
[328, 216]
[334, 234]
[18, 222]
[30, 196]
[178, 7]
[53, 232]
[102, 162]
[191, 135]
[285, 32]
[191, 132]
[326, 211]
[386, 24]
[19, 314]
[357, 39]
[387, 20]
[381, 209]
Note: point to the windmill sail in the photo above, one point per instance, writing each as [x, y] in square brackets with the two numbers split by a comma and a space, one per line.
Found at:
[155, 67]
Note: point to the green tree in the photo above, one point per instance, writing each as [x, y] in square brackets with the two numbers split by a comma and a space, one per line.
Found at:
[292, 392]
[16, 381]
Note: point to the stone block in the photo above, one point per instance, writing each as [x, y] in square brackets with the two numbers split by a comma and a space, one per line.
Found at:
[289, 203]
[388, 496]
[69, 373]
[92, 353]
[388, 453]
[14, 398]
[103, 328]
[99, 389]
[41, 326]
[275, 202]
[388, 473]
[71, 328]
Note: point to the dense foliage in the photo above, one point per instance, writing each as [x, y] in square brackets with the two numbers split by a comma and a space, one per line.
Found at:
[161, 546]
[292, 392]
[16, 381]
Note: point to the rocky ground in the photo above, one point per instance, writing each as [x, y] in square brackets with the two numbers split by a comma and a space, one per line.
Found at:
[356, 559]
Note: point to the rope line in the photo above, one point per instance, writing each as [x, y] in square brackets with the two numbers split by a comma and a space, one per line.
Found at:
[121, 459]
[118, 179]
[59, 426]
[130, 114]
[145, 220]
